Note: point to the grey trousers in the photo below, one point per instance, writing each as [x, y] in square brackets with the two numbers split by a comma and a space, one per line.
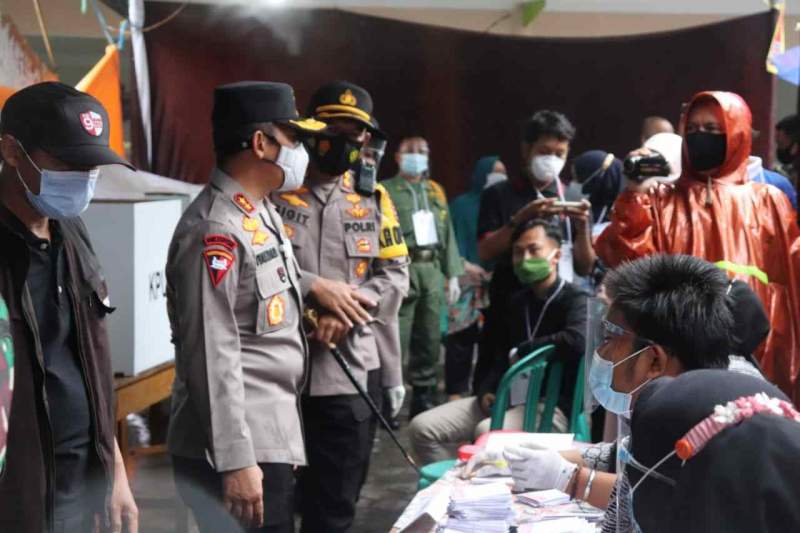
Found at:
[436, 434]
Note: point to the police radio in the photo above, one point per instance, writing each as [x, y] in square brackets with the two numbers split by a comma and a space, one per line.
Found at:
[369, 163]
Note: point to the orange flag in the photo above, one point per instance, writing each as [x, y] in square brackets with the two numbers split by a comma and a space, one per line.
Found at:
[102, 82]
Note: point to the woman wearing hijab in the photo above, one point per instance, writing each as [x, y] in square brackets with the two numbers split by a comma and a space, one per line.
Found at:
[600, 175]
[713, 212]
[712, 450]
[463, 317]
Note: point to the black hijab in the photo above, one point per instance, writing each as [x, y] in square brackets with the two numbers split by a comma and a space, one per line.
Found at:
[601, 186]
[746, 479]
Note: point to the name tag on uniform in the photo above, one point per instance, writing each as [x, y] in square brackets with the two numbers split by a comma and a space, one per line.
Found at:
[266, 256]
[425, 228]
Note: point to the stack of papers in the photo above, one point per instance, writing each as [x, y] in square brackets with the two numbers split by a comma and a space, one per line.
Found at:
[480, 509]
[541, 498]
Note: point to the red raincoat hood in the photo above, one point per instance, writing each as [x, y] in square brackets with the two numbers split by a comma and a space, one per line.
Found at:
[738, 129]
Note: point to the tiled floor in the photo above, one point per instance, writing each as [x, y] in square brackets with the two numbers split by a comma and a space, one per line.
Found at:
[389, 488]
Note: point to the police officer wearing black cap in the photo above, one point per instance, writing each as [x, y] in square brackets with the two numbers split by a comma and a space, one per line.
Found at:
[64, 469]
[234, 302]
[344, 234]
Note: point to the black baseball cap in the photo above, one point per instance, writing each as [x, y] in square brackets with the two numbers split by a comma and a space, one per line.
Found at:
[342, 99]
[68, 124]
[237, 105]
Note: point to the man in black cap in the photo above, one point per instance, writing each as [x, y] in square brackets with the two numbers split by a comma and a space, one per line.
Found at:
[235, 304]
[344, 233]
[64, 469]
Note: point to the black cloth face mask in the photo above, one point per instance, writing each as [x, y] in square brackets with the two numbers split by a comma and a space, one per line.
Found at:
[706, 150]
[333, 155]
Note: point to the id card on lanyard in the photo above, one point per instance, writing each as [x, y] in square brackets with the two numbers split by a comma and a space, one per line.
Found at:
[424, 220]
[566, 270]
[519, 388]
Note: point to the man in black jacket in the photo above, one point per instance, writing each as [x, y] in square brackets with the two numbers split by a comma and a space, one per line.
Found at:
[64, 469]
[547, 310]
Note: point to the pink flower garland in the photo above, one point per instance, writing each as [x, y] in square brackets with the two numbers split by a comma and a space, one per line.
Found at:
[728, 415]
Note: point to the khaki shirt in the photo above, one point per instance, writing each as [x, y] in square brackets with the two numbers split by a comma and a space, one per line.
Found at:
[341, 235]
[234, 301]
[427, 194]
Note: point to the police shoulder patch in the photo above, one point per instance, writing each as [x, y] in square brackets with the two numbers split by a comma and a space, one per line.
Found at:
[218, 263]
[243, 203]
[217, 239]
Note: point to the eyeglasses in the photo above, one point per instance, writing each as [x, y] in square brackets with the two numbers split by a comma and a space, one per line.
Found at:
[611, 330]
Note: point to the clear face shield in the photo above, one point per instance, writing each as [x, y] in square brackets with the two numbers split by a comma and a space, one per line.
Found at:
[596, 310]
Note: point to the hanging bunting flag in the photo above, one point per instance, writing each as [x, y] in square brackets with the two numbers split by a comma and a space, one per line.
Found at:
[102, 82]
[778, 44]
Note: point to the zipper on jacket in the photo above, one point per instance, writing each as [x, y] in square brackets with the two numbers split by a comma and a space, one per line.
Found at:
[88, 383]
[50, 497]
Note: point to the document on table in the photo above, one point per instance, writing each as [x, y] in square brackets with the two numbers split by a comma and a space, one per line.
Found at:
[547, 441]
[480, 509]
[426, 510]
[560, 525]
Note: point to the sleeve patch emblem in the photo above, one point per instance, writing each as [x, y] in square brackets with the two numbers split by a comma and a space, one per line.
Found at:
[216, 239]
[218, 263]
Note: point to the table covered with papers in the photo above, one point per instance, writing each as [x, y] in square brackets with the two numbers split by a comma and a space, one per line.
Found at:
[487, 505]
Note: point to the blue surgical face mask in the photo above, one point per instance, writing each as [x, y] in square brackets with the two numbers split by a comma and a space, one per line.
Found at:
[601, 377]
[62, 194]
[414, 164]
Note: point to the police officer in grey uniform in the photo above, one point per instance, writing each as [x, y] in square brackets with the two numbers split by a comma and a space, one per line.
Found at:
[235, 306]
[348, 236]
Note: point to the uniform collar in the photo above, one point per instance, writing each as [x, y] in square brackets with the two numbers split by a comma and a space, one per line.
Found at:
[234, 191]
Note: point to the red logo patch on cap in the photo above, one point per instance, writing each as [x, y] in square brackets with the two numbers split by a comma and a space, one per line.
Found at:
[92, 122]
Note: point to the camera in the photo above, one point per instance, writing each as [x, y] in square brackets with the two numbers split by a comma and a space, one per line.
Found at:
[640, 167]
[367, 172]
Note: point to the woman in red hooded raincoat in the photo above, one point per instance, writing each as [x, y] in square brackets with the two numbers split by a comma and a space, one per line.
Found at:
[714, 212]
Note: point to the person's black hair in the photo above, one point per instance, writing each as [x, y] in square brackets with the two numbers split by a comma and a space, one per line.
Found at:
[553, 231]
[678, 302]
[790, 126]
[243, 134]
[547, 123]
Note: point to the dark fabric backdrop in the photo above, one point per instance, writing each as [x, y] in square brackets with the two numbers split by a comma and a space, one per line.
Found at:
[466, 92]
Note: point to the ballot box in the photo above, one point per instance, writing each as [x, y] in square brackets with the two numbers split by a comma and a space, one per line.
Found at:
[131, 239]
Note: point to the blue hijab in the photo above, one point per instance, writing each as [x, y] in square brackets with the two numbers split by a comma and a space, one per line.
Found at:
[464, 210]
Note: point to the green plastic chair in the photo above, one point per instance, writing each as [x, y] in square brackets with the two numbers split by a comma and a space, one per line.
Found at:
[537, 364]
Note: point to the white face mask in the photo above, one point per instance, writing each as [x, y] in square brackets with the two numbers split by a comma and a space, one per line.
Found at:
[493, 178]
[546, 168]
[293, 162]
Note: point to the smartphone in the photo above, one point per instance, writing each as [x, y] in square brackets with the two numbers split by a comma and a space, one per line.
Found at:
[567, 205]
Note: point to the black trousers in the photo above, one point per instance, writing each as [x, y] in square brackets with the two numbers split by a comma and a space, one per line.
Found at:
[459, 349]
[340, 431]
[200, 486]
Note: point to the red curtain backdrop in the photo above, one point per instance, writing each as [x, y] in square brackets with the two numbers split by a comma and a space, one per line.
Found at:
[466, 92]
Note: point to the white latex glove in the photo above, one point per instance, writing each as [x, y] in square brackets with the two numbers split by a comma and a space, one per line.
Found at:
[395, 396]
[453, 291]
[535, 469]
[487, 463]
